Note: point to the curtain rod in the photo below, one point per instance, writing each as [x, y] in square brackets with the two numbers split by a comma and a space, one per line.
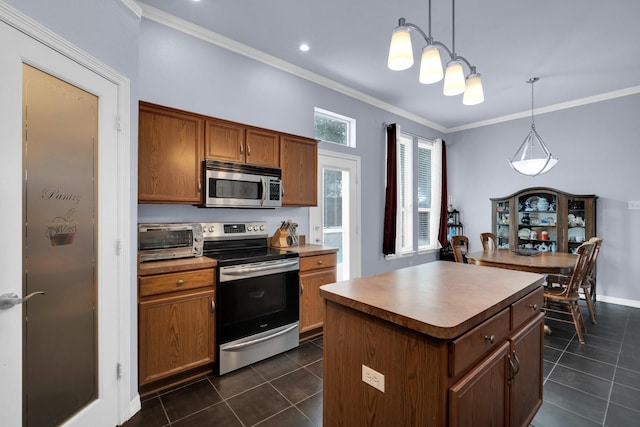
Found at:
[385, 124]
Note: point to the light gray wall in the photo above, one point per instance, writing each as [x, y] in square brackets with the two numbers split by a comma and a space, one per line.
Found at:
[187, 73]
[108, 31]
[598, 151]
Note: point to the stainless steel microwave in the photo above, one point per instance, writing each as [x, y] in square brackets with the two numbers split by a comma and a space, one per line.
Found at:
[236, 185]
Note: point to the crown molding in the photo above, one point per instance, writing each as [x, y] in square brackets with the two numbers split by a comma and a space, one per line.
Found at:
[551, 108]
[134, 7]
[212, 37]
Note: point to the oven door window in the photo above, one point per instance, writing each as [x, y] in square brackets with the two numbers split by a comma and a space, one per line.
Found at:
[163, 239]
[257, 304]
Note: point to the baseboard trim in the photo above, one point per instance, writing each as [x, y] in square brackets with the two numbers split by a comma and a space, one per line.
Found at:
[134, 405]
[619, 301]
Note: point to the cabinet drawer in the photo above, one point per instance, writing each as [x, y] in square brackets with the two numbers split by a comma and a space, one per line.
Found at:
[318, 261]
[526, 308]
[478, 342]
[171, 282]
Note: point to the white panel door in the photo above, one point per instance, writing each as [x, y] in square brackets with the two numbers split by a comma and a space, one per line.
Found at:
[17, 49]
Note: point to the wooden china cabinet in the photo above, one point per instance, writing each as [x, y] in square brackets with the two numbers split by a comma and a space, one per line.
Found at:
[543, 218]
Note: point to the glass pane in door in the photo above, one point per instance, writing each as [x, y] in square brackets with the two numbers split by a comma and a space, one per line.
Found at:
[60, 136]
[335, 216]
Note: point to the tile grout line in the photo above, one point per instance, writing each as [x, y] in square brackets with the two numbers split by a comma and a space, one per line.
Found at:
[615, 370]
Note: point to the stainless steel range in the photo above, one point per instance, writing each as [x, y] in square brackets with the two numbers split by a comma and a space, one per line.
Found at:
[257, 309]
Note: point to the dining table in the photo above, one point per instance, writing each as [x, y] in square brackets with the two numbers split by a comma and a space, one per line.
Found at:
[540, 262]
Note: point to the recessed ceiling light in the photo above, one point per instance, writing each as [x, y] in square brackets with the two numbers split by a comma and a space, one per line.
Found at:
[304, 47]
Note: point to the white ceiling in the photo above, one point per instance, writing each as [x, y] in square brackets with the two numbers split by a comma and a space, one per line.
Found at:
[579, 48]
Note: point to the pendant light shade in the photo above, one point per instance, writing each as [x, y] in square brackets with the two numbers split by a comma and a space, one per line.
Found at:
[533, 157]
[454, 83]
[400, 50]
[401, 58]
[473, 93]
[430, 65]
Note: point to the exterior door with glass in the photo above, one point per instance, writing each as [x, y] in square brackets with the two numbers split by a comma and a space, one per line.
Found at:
[336, 220]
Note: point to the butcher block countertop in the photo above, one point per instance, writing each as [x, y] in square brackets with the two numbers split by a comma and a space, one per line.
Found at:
[174, 265]
[311, 250]
[441, 299]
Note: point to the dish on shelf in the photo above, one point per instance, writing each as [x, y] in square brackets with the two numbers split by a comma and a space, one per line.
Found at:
[576, 234]
[524, 233]
[531, 204]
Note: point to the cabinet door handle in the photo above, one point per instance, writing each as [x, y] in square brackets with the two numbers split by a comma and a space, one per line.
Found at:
[241, 148]
[515, 356]
[249, 150]
[490, 338]
[199, 185]
[512, 369]
[301, 288]
[180, 282]
[213, 306]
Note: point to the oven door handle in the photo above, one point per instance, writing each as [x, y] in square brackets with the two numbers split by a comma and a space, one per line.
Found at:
[241, 271]
[245, 344]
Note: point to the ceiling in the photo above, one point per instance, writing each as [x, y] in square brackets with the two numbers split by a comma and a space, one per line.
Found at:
[579, 48]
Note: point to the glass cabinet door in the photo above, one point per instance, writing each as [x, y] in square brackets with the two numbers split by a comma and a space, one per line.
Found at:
[575, 223]
[502, 224]
[537, 221]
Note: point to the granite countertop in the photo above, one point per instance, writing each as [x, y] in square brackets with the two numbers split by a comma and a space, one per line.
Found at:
[441, 299]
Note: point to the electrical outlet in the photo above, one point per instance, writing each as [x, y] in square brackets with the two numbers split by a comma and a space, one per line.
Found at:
[634, 205]
[373, 378]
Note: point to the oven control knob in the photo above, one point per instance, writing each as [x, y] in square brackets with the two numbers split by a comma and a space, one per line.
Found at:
[211, 229]
[262, 228]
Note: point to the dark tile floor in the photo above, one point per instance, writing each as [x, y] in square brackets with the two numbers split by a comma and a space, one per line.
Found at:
[595, 384]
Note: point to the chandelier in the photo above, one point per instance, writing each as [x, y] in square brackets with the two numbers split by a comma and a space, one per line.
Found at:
[533, 157]
[455, 83]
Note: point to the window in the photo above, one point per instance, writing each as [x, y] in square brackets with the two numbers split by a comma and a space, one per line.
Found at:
[429, 176]
[334, 128]
[404, 218]
[418, 212]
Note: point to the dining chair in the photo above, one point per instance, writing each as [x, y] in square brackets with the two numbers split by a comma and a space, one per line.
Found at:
[588, 286]
[488, 241]
[460, 246]
[563, 300]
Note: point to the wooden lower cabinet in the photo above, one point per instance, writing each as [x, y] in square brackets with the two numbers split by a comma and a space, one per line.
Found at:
[505, 389]
[176, 327]
[489, 376]
[315, 271]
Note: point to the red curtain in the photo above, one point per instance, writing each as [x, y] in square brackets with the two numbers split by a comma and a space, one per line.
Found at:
[391, 198]
[444, 217]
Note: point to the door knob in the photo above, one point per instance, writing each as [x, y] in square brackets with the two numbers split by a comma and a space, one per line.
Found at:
[9, 300]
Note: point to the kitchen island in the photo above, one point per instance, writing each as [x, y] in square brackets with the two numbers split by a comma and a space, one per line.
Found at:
[433, 345]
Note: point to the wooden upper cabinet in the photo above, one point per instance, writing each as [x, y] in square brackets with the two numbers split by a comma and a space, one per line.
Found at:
[299, 163]
[233, 142]
[224, 141]
[169, 155]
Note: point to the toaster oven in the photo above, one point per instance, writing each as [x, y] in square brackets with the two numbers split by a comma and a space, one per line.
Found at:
[169, 241]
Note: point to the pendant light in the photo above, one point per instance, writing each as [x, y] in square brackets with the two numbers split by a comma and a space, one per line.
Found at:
[455, 83]
[533, 157]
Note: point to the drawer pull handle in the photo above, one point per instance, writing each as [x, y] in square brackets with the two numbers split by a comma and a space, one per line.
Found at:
[320, 261]
[180, 282]
[490, 338]
[534, 307]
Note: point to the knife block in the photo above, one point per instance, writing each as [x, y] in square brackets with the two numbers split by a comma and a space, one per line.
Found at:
[279, 238]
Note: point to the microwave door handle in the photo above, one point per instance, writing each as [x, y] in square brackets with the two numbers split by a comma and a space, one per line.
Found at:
[264, 190]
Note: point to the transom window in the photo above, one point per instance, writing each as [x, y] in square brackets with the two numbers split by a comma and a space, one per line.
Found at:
[334, 128]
